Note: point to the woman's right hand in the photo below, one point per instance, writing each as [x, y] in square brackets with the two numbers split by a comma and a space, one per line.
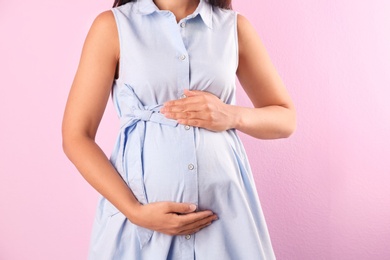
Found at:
[172, 218]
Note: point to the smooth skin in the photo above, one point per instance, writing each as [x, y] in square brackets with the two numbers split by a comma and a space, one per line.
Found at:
[273, 116]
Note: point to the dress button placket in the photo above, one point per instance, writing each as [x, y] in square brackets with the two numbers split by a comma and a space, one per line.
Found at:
[183, 59]
[190, 174]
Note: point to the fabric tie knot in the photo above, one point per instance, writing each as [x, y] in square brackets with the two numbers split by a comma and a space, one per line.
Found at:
[146, 114]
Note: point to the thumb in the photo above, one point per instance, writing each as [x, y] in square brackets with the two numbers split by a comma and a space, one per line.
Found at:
[182, 207]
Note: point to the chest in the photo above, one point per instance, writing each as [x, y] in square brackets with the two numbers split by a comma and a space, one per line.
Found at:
[161, 58]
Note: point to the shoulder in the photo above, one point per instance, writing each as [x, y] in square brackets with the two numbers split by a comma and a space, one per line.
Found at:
[244, 27]
[103, 34]
[104, 27]
[247, 34]
[104, 21]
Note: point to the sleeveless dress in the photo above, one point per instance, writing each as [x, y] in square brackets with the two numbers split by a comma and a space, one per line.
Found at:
[161, 160]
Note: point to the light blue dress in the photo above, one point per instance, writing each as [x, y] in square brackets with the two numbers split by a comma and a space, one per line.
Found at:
[161, 160]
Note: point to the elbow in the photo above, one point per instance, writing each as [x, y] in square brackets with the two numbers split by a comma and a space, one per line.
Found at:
[65, 147]
[73, 142]
[66, 144]
[289, 131]
[291, 125]
[70, 142]
[283, 133]
[286, 126]
[74, 138]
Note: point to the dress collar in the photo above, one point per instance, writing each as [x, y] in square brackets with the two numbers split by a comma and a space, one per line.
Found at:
[204, 9]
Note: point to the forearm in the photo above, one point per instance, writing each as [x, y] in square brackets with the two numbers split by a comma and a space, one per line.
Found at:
[97, 170]
[270, 122]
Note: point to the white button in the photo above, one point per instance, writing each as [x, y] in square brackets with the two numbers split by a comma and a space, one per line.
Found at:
[182, 57]
[187, 127]
[188, 237]
[183, 96]
[183, 24]
[191, 166]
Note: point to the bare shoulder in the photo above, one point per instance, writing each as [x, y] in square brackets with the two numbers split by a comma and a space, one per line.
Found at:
[242, 21]
[104, 25]
[244, 25]
[104, 32]
[105, 19]
[246, 32]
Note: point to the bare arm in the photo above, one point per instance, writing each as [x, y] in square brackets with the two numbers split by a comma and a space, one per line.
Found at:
[84, 109]
[273, 115]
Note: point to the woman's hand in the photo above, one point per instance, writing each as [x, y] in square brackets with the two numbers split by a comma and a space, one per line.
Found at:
[172, 218]
[201, 109]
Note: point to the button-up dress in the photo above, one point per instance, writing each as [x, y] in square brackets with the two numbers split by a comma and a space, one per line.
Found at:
[161, 160]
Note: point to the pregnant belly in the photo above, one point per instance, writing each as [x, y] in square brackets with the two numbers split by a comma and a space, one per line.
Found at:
[196, 165]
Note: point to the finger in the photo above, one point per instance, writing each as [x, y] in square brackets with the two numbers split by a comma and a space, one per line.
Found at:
[182, 102]
[193, 217]
[196, 226]
[187, 106]
[196, 122]
[192, 93]
[182, 208]
[200, 222]
[194, 230]
[199, 116]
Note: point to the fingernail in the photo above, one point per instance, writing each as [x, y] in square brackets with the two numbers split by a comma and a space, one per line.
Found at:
[192, 207]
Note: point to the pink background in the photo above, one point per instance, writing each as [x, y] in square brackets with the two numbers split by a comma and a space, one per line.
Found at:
[325, 190]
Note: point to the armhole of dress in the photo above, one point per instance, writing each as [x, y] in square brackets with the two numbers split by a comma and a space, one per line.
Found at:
[120, 63]
[236, 38]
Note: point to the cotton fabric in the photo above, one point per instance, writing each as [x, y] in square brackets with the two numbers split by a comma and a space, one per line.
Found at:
[161, 160]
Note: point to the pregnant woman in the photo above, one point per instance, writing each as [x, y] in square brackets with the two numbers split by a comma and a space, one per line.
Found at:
[178, 184]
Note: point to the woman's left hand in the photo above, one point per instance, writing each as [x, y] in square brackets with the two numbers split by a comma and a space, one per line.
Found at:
[200, 109]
